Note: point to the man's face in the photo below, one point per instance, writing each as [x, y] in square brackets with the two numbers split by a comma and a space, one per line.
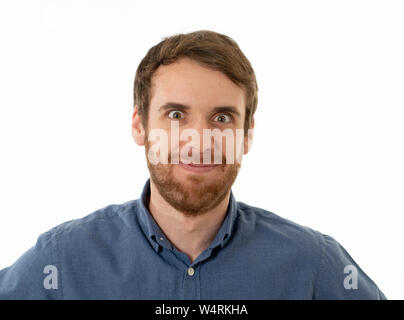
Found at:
[204, 99]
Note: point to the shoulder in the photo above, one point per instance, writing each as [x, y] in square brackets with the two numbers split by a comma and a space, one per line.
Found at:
[69, 241]
[270, 225]
[288, 243]
[109, 218]
[327, 259]
[86, 236]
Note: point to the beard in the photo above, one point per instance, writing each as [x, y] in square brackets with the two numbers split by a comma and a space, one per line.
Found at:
[195, 194]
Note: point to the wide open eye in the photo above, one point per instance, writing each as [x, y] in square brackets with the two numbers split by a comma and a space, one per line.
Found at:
[176, 115]
[224, 118]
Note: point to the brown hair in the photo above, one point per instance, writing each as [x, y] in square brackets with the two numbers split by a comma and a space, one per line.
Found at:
[211, 49]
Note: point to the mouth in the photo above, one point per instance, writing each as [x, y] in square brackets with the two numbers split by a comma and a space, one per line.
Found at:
[198, 168]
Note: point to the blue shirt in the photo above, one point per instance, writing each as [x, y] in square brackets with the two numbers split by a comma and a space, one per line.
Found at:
[119, 252]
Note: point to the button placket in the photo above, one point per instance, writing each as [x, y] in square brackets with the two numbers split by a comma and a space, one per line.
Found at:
[191, 271]
[191, 285]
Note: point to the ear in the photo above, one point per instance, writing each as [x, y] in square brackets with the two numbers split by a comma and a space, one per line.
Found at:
[138, 132]
[248, 139]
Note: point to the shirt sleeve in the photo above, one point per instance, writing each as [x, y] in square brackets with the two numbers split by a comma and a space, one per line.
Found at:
[339, 277]
[35, 274]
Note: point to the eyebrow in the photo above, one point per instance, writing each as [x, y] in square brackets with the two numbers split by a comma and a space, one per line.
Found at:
[173, 105]
[183, 107]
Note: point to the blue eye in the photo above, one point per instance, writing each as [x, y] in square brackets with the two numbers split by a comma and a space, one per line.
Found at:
[224, 118]
[176, 115]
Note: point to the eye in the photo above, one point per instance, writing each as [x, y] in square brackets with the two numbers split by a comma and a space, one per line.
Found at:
[224, 118]
[176, 115]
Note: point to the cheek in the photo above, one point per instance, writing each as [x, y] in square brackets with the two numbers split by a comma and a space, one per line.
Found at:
[232, 147]
[154, 120]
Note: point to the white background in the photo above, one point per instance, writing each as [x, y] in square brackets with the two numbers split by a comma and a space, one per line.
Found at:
[328, 150]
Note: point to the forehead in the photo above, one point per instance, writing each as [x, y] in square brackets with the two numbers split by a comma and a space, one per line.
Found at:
[186, 81]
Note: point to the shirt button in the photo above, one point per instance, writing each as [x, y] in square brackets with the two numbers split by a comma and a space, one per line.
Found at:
[161, 238]
[191, 271]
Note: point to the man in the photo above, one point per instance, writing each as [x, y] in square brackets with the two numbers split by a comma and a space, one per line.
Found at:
[187, 237]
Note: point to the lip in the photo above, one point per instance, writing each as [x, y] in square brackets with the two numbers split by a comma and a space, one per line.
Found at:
[198, 168]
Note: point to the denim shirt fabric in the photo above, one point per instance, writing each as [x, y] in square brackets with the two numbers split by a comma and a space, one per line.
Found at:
[119, 252]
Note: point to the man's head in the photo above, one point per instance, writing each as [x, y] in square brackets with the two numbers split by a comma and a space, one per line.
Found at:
[200, 80]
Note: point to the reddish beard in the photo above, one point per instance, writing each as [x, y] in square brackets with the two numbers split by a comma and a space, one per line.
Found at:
[198, 194]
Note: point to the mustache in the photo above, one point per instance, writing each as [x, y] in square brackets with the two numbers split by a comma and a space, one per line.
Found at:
[207, 156]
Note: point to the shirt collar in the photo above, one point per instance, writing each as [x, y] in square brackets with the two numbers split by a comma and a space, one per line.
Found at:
[157, 238]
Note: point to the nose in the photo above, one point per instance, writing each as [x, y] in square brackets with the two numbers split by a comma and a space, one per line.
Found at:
[194, 146]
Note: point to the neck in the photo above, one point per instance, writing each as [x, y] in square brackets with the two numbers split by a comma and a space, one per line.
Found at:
[189, 234]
